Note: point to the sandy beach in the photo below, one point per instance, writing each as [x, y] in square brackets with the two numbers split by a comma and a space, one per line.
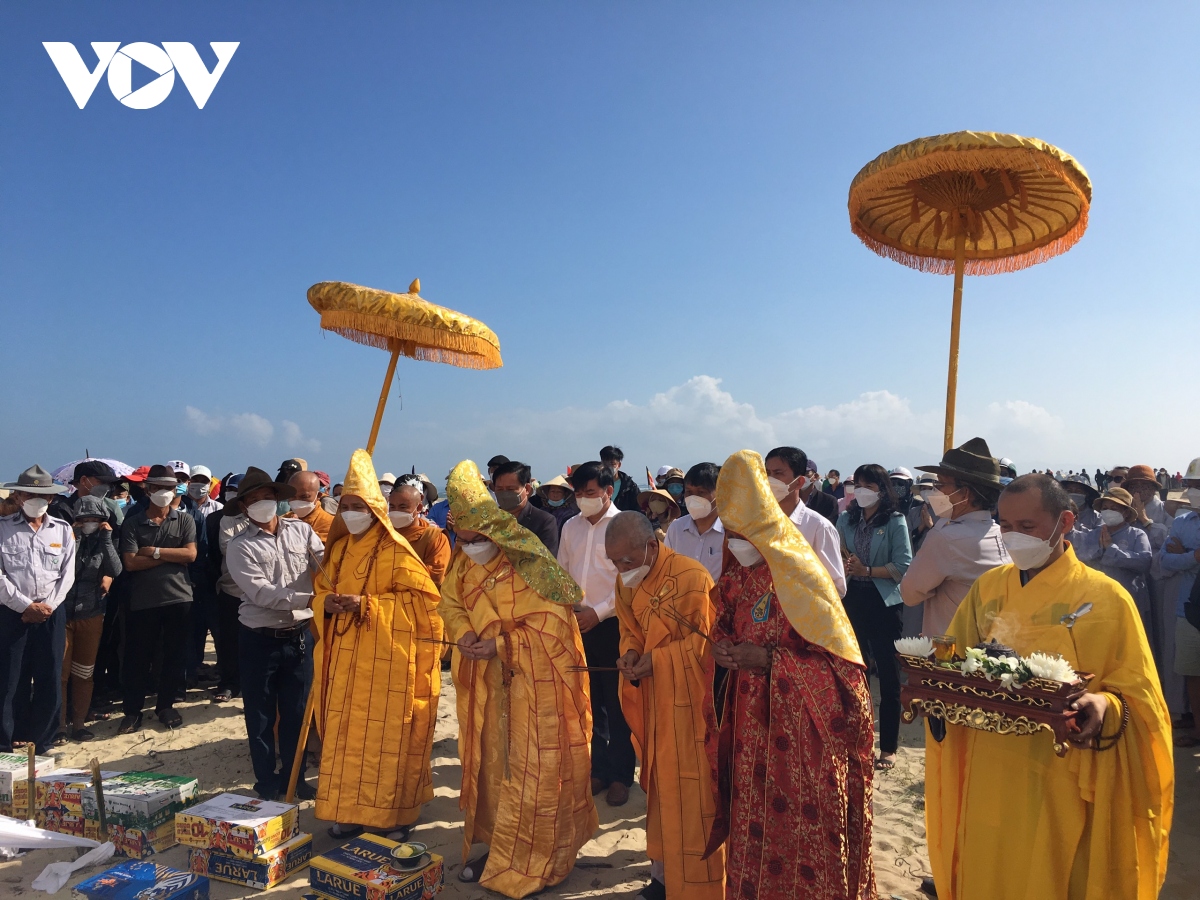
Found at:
[211, 746]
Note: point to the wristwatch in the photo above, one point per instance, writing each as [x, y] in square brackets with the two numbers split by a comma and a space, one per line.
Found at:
[156, 553]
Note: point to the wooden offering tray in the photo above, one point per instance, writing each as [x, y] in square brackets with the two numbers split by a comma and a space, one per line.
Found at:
[942, 690]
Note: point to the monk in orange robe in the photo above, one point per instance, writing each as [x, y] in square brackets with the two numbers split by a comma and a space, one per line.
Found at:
[305, 506]
[524, 711]
[406, 504]
[668, 669]
[379, 678]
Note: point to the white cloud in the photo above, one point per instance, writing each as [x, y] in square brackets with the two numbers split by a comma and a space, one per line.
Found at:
[248, 427]
[294, 439]
[700, 420]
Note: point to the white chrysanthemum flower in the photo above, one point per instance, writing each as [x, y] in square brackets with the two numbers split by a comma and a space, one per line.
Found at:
[971, 664]
[1010, 663]
[921, 647]
[1055, 668]
[1006, 680]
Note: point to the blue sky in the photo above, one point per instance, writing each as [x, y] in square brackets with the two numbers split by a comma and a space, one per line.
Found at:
[645, 201]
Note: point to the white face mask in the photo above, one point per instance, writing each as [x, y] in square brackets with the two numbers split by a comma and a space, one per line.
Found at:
[36, 507]
[302, 507]
[1080, 501]
[356, 522]
[162, 499]
[89, 527]
[634, 577]
[698, 507]
[1026, 550]
[197, 491]
[1193, 496]
[744, 552]
[1181, 512]
[480, 552]
[865, 497]
[848, 489]
[400, 519]
[263, 511]
[230, 496]
[939, 504]
[590, 506]
[1111, 518]
[779, 489]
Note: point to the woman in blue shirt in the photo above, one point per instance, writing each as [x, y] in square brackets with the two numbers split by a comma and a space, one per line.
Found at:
[877, 550]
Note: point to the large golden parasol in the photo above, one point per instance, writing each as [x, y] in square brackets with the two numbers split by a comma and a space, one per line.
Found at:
[405, 325]
[971, 202]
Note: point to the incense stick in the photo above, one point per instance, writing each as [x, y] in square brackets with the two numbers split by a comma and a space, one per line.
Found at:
[592, 669]
[679, 619]
[429, 640]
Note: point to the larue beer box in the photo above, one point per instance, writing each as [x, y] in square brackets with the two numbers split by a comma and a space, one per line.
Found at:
[261, 872]
[57, 789]
[55, 818]
[14, 767]
[242, 827]
[142, 800]
[361, 869]
[137, 880]
[136, 843]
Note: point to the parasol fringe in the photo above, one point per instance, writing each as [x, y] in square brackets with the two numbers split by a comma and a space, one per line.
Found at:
[463, 350]
[987, 266]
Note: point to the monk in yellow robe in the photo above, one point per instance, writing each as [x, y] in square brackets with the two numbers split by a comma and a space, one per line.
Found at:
[524, 712]
[305, 505]
[379, 676]
[668, 669]
[1006, 818]
[406, 504]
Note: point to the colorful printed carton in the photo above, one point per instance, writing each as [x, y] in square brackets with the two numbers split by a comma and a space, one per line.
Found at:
[361, 869]
[142, 800]
[136, 843]
[135, 880]
[243, 827]
[14, 767]
[54, 818]
[261, 872]
[58, 789]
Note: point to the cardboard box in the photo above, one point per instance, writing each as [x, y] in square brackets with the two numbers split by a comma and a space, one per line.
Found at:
[136, 880]
[261, 872]
[59, 789]
[63, 821]
[136, 843]
[361, 869]
[141, 799]
[244, 827]
[14, 767]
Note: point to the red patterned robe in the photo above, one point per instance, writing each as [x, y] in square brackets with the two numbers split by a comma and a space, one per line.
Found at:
[792, 758]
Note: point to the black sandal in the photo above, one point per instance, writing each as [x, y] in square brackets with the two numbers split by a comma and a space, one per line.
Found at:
[885, 765]
[473, 871]
[82, 735]
[224, 695]
[169, 717]
[130, 724]
[335, 831]
[61, 739]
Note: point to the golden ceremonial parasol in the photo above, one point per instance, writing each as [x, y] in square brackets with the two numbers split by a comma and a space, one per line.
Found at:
[970, 203]
[405, 325]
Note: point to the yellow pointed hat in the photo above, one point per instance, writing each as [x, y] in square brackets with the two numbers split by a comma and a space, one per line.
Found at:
[805, 590]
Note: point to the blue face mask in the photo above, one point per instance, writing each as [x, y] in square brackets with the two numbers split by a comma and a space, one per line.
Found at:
[123, 502]
[557, 503]
[675, 489]
[181, 488]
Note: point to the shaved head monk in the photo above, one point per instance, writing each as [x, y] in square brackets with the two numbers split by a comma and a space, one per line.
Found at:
[667, 668]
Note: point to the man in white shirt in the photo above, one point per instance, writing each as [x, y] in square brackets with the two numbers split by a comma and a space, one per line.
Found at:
[37, 569]
[787, 469]
[700, 534]
[581, 552]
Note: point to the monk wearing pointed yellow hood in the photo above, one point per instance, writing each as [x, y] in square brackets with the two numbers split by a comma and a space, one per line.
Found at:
[792, 754]
[524, 713]
[380, 670]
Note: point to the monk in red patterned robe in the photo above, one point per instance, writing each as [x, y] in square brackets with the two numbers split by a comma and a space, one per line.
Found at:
[791, 756]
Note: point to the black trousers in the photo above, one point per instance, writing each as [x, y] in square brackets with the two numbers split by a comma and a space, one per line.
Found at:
[226, 639]
[148, 633]
[276, 675]
[31, 658]
[613, 758]
[877, 627]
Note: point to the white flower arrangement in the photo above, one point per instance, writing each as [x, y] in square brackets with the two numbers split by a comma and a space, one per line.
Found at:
[921, 647]
[1013, 671]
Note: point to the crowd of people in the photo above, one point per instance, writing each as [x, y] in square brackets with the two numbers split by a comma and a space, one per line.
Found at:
[717, 626]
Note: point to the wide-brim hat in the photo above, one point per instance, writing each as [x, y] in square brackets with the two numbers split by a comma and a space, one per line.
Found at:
[1142, 473]
[256, 478]
[1179, 497]
[557, 481]
[672, 510]
[1117, 495]
[160, 476]
[1086, 489]
[972, 463]
[35, 480]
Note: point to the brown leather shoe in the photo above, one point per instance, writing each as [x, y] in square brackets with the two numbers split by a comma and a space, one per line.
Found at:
[597, 785]
[618, 794]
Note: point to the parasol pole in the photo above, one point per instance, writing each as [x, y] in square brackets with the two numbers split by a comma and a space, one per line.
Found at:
[960, 246]
[383, 398]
